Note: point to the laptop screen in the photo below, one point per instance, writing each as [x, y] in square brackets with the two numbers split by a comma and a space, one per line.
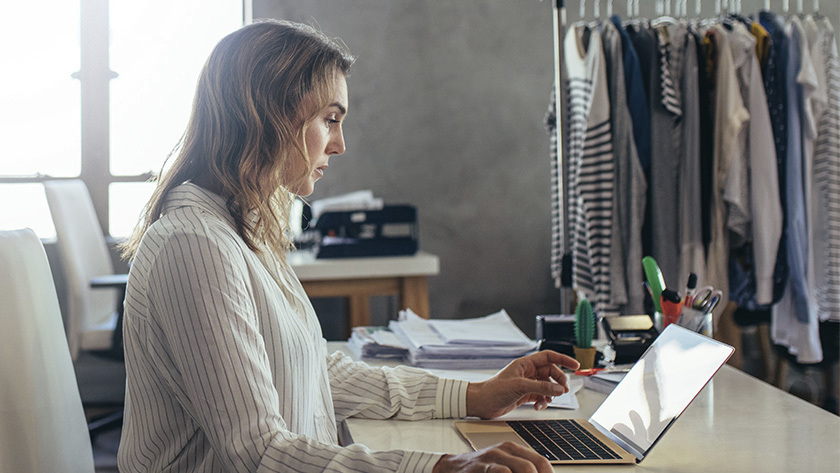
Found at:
[659, 387]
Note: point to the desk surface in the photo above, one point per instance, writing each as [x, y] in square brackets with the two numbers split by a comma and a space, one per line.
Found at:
[308, 268]
[737, 424]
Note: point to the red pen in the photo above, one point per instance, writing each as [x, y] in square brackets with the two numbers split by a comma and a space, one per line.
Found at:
[671, 303]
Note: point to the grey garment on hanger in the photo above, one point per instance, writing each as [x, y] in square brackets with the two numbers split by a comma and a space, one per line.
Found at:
[630, 186]
[692, 254]
[663, 183]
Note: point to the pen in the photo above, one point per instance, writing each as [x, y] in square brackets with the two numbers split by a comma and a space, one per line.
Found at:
[704, 296]
[711, 303]
[689, 289]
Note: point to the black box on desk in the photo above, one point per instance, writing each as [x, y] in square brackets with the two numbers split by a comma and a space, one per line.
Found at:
[557, 328]
[391, 231]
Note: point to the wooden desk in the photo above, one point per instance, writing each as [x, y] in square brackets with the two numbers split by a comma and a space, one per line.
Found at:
[356, 279]
[737, 424]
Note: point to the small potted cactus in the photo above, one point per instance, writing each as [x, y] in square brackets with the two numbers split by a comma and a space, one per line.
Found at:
[584, 333]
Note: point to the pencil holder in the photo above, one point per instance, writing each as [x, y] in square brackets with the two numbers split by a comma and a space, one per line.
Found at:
[658, 321]
[696, 320]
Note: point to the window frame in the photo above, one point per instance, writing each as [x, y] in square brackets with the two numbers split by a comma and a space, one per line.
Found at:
[94, 78]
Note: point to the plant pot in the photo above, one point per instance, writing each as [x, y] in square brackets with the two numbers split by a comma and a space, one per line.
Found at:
[586, 357]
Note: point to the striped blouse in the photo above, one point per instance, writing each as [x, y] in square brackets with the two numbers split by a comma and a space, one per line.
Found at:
[227, 369]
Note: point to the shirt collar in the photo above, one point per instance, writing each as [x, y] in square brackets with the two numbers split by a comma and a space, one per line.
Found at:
[191, 195]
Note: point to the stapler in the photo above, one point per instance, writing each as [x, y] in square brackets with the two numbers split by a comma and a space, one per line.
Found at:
[629, 336]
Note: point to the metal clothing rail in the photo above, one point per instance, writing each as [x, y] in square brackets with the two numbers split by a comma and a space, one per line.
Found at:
[559, 20]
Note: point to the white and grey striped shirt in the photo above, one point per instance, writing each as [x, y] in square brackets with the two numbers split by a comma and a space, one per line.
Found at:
[227, 369]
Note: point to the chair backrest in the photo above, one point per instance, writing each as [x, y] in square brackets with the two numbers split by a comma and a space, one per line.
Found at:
[84, 254]
[42, 423]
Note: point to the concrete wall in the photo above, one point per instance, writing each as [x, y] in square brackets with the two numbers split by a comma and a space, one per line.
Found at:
[447, 102]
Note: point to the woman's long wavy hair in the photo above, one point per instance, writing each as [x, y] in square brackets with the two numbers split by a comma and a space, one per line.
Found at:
[259, 89]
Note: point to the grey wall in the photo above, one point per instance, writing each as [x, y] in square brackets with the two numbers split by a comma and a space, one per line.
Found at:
[446, 112]
[447, 100]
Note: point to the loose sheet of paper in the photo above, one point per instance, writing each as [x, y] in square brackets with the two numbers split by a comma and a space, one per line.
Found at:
[566, 401]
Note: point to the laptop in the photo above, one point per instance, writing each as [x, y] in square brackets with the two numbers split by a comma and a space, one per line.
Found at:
[632, 419]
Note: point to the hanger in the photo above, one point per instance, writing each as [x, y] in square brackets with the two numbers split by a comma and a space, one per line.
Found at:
[583, 9]
[663, 16]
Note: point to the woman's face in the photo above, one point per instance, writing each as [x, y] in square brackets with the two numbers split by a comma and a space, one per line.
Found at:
[324, 137]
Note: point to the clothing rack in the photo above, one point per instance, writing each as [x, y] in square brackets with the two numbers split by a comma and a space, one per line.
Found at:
[629, 9]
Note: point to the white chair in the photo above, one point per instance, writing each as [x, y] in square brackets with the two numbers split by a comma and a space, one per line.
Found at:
[42, 424]
[92, 312]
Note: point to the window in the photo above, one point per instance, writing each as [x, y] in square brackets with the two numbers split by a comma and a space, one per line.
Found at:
[100, 91]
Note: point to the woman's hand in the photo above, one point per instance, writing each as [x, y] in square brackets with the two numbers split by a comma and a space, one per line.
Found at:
[505, 457]
[526, 379]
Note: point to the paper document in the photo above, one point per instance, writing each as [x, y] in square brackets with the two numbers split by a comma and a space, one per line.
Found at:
[568, 400]
[493, 329]
[376, 342]
[359, 200]
[483, 343]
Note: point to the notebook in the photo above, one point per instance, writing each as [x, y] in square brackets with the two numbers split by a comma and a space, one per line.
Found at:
[632, 419]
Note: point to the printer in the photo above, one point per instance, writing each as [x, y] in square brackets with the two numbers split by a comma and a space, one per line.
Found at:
[389, 231]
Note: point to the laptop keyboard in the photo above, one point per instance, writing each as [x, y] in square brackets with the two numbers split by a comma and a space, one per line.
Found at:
[562, 439]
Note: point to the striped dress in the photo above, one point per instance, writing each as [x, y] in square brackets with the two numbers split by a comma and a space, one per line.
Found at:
[227, 369]
[826, 233]
[591, 167]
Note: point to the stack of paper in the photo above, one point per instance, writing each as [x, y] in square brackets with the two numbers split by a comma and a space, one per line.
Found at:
[489, 342]
[359, 200]
[376, 342]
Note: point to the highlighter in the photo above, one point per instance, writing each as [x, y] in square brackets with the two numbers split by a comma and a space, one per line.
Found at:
[671, 307]
[654, 280]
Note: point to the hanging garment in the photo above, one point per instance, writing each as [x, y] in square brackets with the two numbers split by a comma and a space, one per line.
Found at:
[762, 43]
[630, 185]
[666, 157]
[776, 90]
[591, 166]
[762, 225]
[636, 95]
[644, 43]
[692, 251]
[706, 133]
[729, 118]
[825, 239]
[794, 323]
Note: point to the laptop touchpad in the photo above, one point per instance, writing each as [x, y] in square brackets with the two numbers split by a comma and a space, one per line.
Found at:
[484, 440]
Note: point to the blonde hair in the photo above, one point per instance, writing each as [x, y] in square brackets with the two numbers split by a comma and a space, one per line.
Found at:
[255, 96]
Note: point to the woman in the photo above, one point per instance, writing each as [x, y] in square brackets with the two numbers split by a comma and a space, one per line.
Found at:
[226, 366]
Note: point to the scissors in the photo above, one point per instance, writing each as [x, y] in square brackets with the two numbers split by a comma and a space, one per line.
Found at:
[706, 298]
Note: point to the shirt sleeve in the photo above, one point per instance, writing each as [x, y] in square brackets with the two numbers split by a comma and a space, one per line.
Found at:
[208, 324]
[403, 392]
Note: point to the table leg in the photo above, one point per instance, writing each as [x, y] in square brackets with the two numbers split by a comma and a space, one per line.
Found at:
[414, 294]
[358, 310]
